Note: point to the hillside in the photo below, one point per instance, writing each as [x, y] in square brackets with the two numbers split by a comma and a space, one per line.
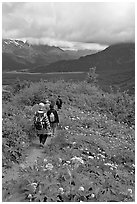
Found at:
[92, 157]
[115, 65]
[113, 58]
[18, 55]
[21, 55]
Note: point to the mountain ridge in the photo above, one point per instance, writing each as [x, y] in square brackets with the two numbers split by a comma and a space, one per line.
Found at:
[33, 55]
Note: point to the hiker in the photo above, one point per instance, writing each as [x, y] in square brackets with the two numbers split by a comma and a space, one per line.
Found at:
[59, 102]
[47, 105]
[53, 118]
[42, 124]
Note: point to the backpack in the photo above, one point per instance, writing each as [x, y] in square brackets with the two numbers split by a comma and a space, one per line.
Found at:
[59, 102]
[52, 117]
[39, 120]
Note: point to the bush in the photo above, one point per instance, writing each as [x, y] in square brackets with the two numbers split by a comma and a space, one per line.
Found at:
[16, 133]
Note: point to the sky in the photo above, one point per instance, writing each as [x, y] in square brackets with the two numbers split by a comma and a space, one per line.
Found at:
[70, 25]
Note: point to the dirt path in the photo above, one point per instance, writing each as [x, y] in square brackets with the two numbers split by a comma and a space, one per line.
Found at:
[33, 153]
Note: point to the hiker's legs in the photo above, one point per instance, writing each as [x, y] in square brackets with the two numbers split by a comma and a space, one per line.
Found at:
[54, 128]
[40, 138]
[51, 126]
[44, 138]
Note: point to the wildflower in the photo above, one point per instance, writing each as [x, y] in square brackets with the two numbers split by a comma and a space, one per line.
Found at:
[111, 168]
[61, 190]
[112, 165]
[130, 190]
[90, 157]
[67, 127]
[30, 197]
[81, 188]
[49, 166]
[77, 159]
[34, 185]
[92, 195]
[60, 160]
[102, 156]
[23, 143]
[45, 160]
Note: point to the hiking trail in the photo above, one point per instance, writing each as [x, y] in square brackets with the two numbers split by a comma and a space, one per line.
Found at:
[33, 152]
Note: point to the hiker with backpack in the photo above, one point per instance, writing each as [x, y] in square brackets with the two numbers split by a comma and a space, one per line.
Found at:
[53, 118]
[59, 102]
[42, 124]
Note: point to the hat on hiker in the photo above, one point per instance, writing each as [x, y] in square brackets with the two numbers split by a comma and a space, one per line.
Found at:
[47, 101]
[41, 105]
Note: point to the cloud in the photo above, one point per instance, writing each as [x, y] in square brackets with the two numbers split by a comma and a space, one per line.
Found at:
[72, 23]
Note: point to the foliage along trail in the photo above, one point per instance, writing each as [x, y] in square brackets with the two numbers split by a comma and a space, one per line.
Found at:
[91, 159]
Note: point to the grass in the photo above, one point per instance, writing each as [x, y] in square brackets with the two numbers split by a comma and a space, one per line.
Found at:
[92, 158]
[9, 78]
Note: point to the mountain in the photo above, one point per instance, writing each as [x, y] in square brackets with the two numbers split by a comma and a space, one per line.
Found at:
[18, 55]
[79, 53]
[115, 65]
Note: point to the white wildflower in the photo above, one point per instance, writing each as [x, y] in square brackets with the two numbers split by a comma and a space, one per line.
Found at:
[49, 166]
[90, 157]
[30, 197]
[67, 127]
[111, 168]
[130, 190]
[92, 195]
[45, 160]
[34, 185]
[60, 160]
[77, 159]
[81, 188]
[61, 190]
[102, 156]
[112, 165]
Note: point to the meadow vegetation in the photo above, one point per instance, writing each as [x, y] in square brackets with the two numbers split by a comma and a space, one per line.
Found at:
[93, 156]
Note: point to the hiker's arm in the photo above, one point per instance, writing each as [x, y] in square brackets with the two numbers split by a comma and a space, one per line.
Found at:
[47, 121]
[57, 117]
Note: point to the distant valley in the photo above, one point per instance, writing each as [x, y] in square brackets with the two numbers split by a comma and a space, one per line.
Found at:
[115, 65]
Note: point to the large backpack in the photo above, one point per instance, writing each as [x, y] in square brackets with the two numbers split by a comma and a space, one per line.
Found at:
[39, 120]
[52, 117]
